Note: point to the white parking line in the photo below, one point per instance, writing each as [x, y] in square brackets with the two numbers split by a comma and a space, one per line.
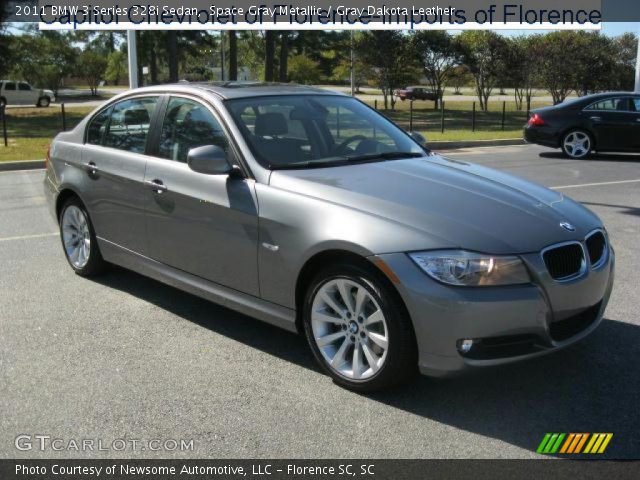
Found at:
[27, 237]
[595, 184]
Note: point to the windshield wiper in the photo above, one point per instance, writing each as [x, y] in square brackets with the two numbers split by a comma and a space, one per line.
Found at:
[345, 160]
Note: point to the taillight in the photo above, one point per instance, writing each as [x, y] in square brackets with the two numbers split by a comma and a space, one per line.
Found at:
[536, 120]
[46, 159]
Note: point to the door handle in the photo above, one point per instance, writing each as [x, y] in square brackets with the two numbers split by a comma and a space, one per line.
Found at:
[596, 119]
[91, 168]
[156, 185]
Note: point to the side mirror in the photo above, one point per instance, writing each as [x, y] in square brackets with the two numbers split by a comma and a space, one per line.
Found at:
[419, 138]
[209, 159]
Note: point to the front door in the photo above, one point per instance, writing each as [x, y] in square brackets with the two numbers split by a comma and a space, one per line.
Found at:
[608, 120]
[206, 225]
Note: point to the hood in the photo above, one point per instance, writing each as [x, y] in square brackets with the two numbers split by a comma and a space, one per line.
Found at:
[459, 204]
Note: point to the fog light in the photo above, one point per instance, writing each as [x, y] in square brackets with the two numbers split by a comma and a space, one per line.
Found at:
[465, 345]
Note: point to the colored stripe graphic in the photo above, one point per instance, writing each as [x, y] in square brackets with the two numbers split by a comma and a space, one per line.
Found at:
[573, 443]
[543, 443]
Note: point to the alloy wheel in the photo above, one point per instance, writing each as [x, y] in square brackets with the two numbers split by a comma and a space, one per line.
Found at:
[577, 144]
[76, 236]
[349, 329]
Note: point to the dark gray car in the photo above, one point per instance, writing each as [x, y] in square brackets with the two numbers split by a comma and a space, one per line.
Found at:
[309, 210]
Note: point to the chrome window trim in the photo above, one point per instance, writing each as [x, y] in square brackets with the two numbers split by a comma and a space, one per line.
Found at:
[583, 264]
[605, 254]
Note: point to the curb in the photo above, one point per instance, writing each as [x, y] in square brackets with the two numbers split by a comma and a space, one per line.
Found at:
[21, 165]
[446, 145]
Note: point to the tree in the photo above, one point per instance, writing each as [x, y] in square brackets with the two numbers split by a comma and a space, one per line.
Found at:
[92, 67]
[460, 77]
[116, 67]
[483, 53]
[596, 63]
[270, 54]
[361, 72]
[172, 51]
[387, 53]
[520, 66]
[303, 70]
[5, 39]
[284, 56]
[558, 66]
[626, 51]
[46, 58]
[438, 54]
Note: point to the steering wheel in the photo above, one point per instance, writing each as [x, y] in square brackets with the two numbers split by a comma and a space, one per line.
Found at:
[341, 148]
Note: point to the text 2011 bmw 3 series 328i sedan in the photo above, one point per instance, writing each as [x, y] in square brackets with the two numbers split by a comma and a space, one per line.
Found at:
[309, 210]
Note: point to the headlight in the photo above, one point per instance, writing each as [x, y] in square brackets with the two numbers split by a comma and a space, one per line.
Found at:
[459, 267]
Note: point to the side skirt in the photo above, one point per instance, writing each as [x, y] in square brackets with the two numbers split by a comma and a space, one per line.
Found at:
[241, 302]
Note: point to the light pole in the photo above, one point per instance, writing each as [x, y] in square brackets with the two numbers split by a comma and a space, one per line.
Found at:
[133, 58]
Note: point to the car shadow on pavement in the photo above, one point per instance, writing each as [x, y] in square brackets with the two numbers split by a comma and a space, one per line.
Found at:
[600, 157]
[593, 386]
[242, 328]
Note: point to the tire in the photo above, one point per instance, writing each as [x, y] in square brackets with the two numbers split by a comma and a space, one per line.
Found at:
[75, 229]
[43, 102]
[382, 321]
[3, 102]
[577, 144]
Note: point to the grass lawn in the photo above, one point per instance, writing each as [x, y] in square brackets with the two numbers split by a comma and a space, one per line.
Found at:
[30, 130]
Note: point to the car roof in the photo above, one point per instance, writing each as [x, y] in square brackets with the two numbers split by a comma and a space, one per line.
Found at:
[229, 90]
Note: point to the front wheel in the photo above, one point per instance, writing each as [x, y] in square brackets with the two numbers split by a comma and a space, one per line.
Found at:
[358, 330]
[577, 144]
[3, 102]
[79, 239]
[43, 102]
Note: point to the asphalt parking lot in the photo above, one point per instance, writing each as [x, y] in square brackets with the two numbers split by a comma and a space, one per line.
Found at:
[123, 356]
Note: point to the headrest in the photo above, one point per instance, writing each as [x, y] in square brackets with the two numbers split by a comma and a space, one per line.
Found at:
[270, 124]
[137, 116]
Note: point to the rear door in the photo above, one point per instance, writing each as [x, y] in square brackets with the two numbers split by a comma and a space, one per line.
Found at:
[609, 120]
[114, 160]
[206, 225]
[26, 94]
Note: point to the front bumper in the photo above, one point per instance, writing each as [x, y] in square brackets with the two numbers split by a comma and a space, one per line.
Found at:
[507, 323]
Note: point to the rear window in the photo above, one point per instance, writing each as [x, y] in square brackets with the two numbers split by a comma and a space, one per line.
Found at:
[609, 104]
[9, 86]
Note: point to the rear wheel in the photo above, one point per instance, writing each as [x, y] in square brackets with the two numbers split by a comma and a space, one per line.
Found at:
[43, 102]
[79, 239]
[357, 329]
[577, 144]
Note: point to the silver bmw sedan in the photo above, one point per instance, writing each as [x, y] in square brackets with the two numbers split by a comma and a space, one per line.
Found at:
[309, 210]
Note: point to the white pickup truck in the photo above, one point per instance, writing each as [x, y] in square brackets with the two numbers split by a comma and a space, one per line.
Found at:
[21, 93]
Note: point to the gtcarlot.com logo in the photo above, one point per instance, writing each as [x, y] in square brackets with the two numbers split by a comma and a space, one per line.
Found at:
[574, 443]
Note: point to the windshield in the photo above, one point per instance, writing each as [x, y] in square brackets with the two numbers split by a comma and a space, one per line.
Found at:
[310, 131]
